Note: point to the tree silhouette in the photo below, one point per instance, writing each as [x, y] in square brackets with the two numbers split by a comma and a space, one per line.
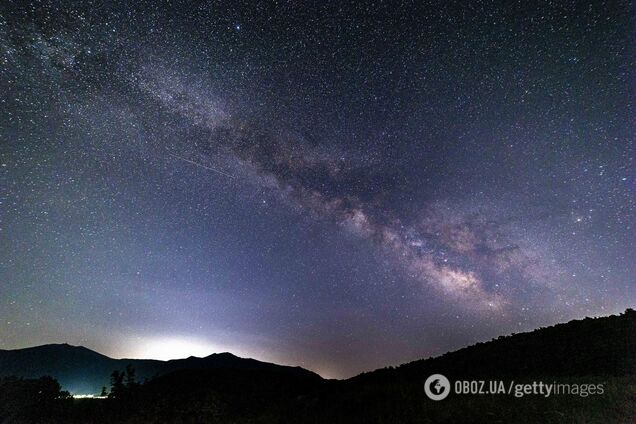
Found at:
[32, 400]
[116, 384]
[130, 376]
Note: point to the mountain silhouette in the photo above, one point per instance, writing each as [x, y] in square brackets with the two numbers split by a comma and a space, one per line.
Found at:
[226, 389]
[589, 346]
[83, 371]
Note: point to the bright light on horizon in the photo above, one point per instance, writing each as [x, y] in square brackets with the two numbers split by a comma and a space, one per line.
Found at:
[87, 396]
[175, 348]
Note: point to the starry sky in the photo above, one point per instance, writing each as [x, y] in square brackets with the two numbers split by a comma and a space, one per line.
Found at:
[336, 185]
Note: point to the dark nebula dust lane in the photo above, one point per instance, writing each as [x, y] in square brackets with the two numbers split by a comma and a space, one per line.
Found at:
[340, 186]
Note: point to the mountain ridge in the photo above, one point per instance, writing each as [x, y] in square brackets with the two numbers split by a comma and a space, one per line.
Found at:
[599, 330]
[599, 352]
[524, 353]
[81, 370]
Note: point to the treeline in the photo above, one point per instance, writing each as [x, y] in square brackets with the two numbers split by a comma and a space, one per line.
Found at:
[42, 400]
[601, 346]
[33, 400]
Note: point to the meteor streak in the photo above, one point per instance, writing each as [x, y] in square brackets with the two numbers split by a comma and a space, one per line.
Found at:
[199, 164]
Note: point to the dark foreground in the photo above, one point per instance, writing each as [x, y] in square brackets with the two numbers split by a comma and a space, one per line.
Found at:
[599, 352]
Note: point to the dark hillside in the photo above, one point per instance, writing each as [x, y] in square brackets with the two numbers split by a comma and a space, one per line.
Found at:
[223, 388]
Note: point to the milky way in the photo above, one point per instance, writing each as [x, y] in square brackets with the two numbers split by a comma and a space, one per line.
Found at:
[336, 186]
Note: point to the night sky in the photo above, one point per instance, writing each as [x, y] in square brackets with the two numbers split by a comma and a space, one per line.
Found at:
[336, 186]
